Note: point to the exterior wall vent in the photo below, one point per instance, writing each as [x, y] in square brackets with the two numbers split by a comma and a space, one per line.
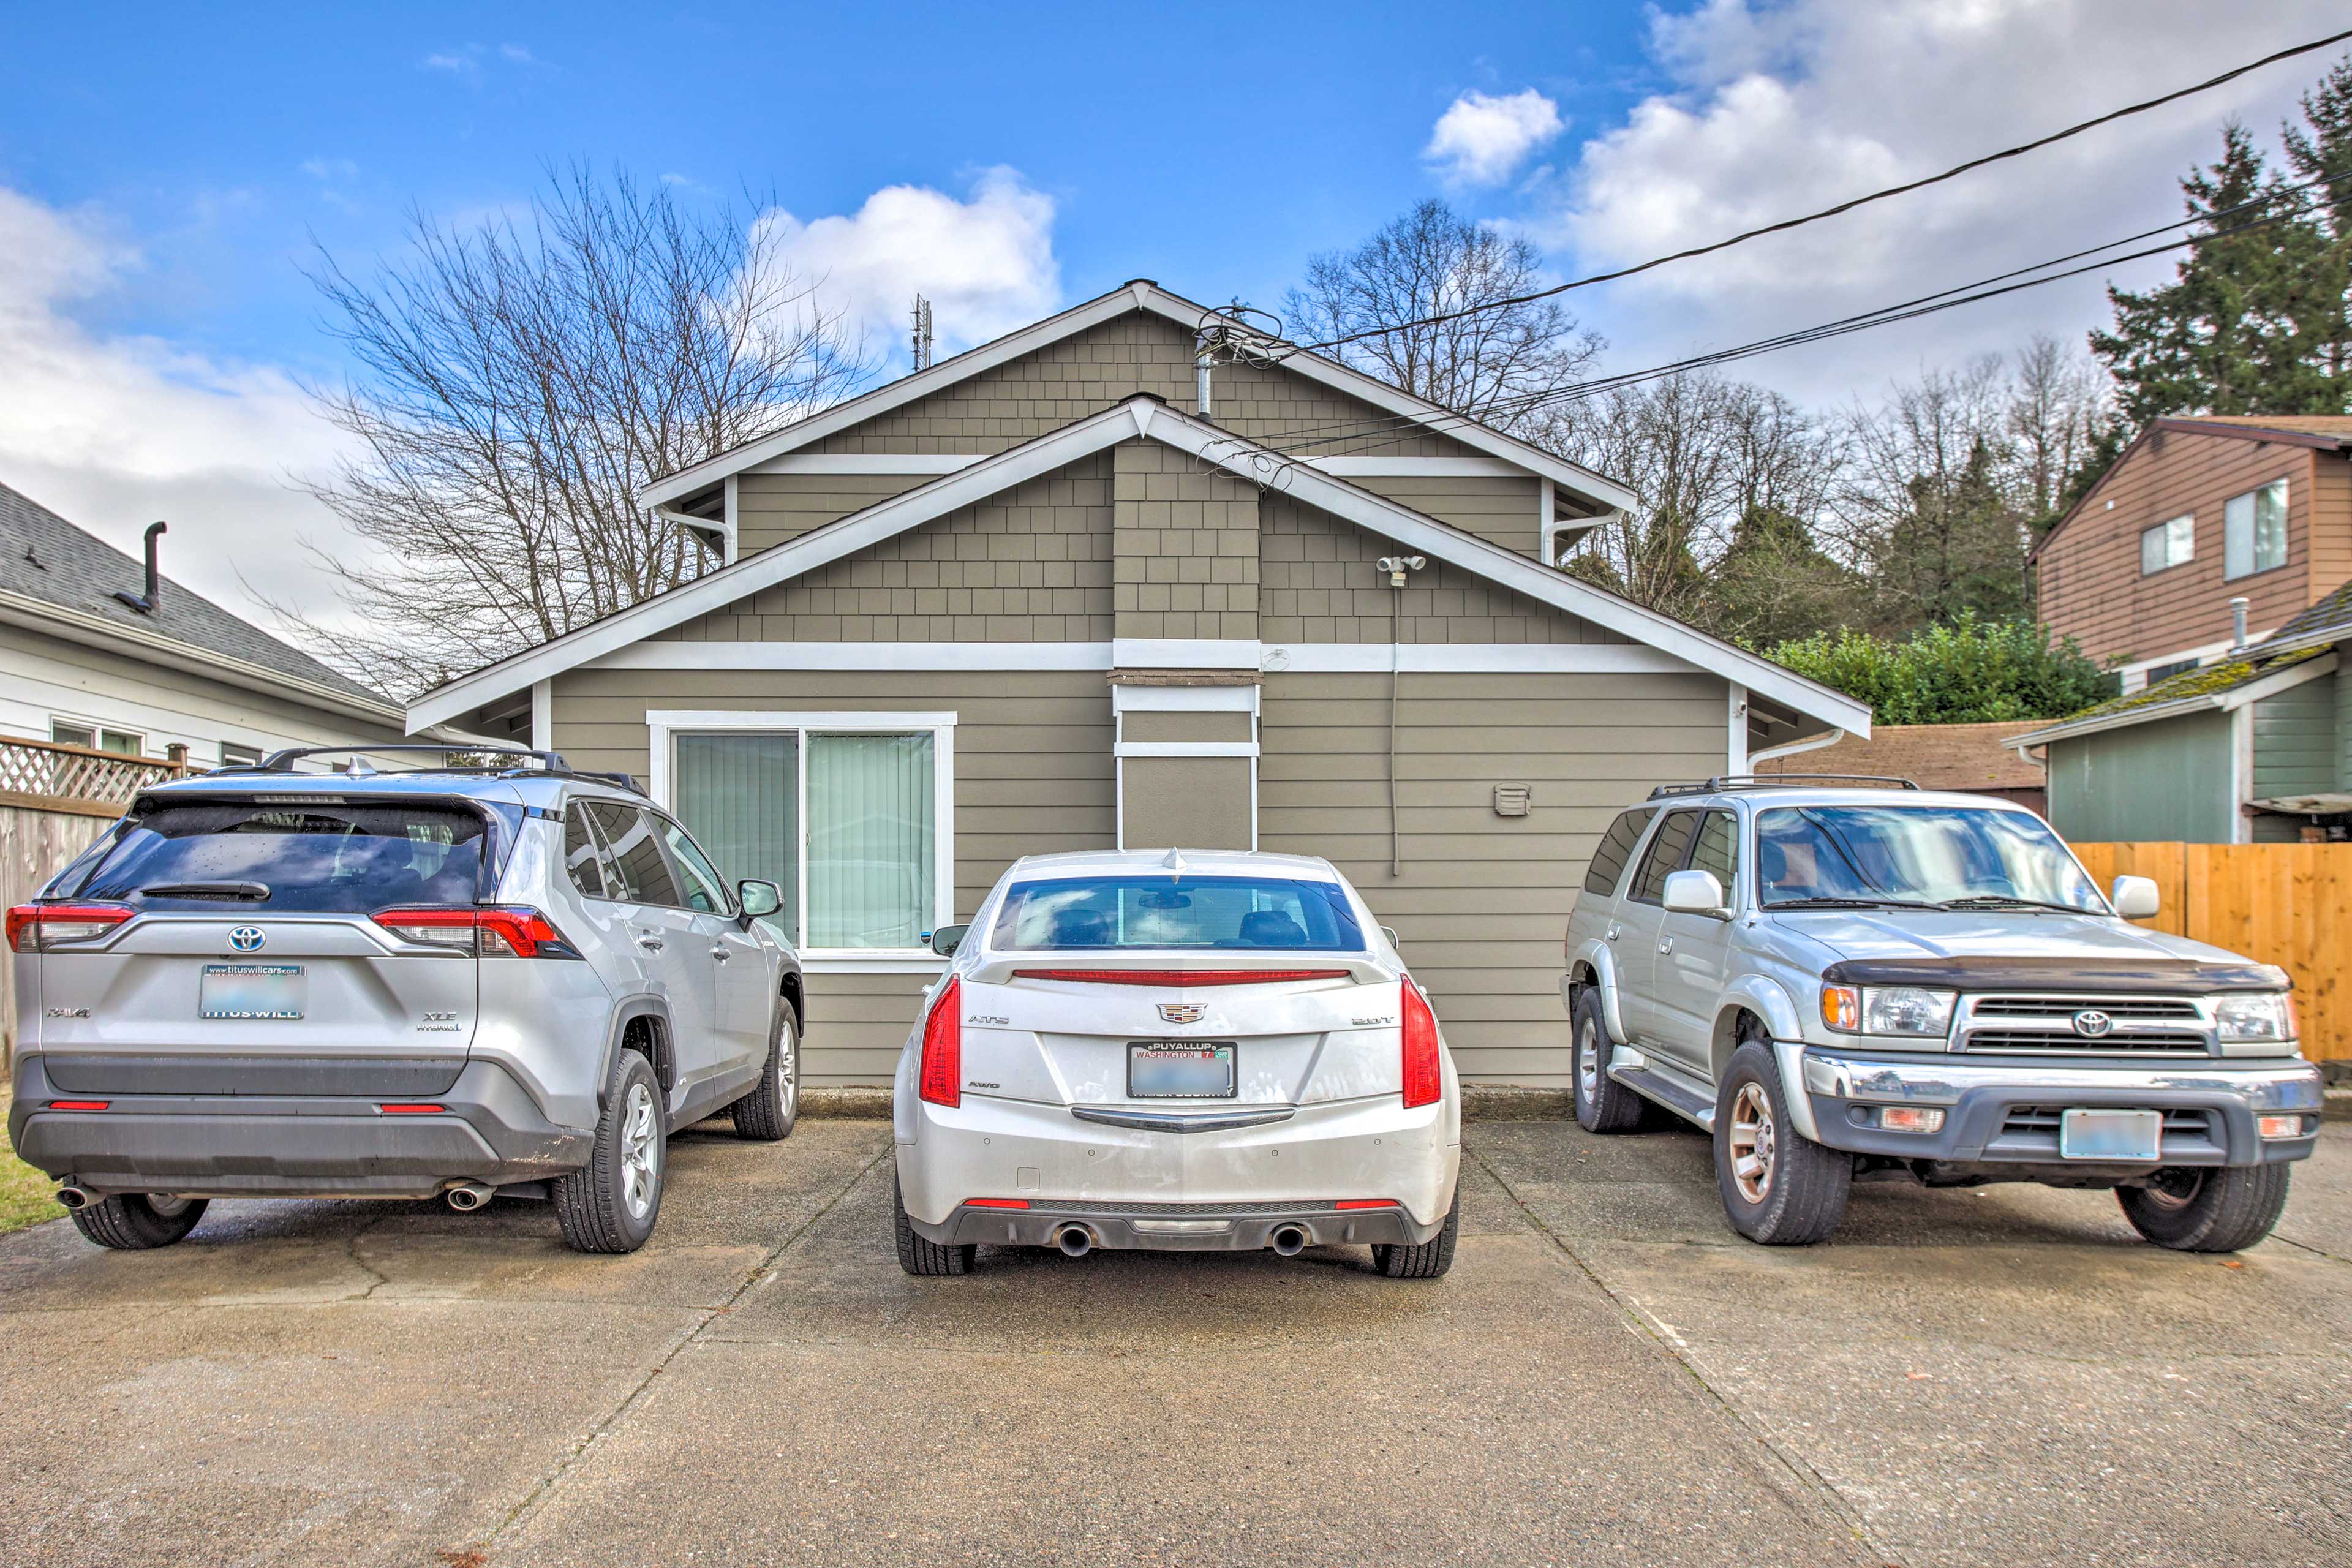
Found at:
[1512, 800]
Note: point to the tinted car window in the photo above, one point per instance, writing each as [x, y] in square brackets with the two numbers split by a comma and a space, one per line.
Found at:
[1615, 849]
[704, 888]
[583, 858]
[1665, 855]
[1163, 912]
[639, 872]
[1717, 849]
[222, 855]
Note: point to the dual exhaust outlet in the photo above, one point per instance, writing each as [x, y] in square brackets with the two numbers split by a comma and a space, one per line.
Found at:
[1076, 1240]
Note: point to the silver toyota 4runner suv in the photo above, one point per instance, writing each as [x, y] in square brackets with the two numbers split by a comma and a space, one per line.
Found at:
[1881, 982]
[499, 976]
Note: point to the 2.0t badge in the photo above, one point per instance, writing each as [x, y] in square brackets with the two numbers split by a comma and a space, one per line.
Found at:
[246, 939]
[1183, 1012]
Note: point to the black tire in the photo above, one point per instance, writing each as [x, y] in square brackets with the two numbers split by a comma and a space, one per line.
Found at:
[610, 1204]
[1602, 1104]
[768, 1113]
[134, 1222]
[1797, 1197]
[2212, 1209]
[921, 1258]
[1431, 1257]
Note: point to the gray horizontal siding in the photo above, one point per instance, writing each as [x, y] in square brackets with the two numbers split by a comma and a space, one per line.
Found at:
[2294, 752]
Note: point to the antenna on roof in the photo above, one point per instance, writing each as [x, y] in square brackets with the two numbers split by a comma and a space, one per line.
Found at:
[1175, 862]
[919, 339]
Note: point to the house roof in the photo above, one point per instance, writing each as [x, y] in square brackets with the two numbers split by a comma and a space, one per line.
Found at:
[1935, 756]
[2324, 432]
[1142, 294]
[1148, 417]
[2231, 684]
[2325, 623]
[63, 578]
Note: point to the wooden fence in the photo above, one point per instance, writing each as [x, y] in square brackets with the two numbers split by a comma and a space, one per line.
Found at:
[2288, 904]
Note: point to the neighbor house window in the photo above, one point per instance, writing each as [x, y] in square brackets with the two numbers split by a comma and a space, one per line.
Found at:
[2253, 531]
[848, 815]
[235, 756]
[2167, 544]
[96, 738]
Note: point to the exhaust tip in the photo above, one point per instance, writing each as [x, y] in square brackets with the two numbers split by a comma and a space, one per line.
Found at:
[75, 1197]
[1289, 1240]
[468, 1196]
[1074, 1241]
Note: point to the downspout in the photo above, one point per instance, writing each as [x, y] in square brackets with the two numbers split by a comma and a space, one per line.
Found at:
[1791, 748]
[1396, 566]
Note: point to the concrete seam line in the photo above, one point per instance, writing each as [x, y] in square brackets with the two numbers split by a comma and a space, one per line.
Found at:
[1804, 1474]
[2306, 1247]
[546, 1484]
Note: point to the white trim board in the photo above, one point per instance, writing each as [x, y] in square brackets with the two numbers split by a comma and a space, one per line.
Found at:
[1271, 658]
[1150, 419]
[930, 463]
[1140, 294]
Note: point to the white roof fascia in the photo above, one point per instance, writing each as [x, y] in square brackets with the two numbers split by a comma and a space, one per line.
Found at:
[1144, 417]
[1604, 493]
[2228, 701]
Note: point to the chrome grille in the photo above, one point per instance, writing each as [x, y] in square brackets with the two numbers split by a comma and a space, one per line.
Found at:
[2042, 1023]
[2169, 1009]
[2122, 1041]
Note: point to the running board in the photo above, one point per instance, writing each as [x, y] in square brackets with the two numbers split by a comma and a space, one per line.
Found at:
[1669, 1090]
[1180, 1120]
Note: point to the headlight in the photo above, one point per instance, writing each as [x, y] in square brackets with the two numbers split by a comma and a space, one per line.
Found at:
[2267, 1016]
[1909, 1010]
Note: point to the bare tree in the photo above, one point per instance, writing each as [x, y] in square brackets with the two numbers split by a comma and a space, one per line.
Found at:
[1431, 262]
[516, 383]
[2059, 403]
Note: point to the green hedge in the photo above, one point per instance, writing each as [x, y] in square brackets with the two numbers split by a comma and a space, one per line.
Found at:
[1970, 671]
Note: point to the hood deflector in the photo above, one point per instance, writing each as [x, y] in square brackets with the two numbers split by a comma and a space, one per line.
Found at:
[2187, 976]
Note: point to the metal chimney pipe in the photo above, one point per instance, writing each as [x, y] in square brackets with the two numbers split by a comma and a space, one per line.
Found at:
[2238, 622]
[146, 603]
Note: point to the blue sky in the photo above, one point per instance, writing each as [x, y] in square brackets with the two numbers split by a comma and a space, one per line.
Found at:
[165, 172]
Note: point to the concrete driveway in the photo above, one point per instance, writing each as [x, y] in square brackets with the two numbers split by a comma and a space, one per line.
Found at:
[1609, 1375]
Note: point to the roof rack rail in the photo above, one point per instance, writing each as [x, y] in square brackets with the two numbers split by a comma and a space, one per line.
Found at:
[512, 761]
[1730, 783]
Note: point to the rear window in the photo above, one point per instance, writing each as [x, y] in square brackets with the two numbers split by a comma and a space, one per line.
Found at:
[223, 856]
[1615, 849]
[1162, 913]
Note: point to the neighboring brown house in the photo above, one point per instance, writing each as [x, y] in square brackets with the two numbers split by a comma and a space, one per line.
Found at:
[2196, 512]
[1129, 578]
[1968, 757]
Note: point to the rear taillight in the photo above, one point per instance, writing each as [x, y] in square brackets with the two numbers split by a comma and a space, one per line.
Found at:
[942, 1081]
[509, 930]
[1424, 1075]
[1180, 976]
[38, 928]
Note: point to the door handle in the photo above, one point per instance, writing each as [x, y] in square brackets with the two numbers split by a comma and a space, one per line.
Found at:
[1666, 944]
[719, 953]
[1614, 930]
[650, 943]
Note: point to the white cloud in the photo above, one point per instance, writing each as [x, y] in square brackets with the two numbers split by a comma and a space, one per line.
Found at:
[986, 263]
[1481, 139]
[115, 431]
[1778, 110]
[455, 63]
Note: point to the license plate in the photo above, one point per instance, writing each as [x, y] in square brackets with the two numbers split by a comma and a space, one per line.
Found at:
[247, 993]
[2110, 1134]
[1181, 1072]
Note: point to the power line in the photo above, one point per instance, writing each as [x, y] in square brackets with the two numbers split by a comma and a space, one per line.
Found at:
[1955, 171]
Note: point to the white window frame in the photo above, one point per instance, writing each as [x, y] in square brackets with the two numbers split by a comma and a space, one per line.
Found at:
[1130, 698]
[99, 730]
[2186, 524]
[2255, 568]
[256, 753]
[665, 725]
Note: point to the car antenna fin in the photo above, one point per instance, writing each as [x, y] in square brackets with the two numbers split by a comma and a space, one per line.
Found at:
[1175, 862]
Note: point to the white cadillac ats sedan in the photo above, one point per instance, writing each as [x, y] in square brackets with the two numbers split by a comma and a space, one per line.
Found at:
[1188, 1050]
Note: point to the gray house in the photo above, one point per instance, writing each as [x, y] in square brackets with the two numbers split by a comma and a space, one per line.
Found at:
[1135, 576]
[2253, 748]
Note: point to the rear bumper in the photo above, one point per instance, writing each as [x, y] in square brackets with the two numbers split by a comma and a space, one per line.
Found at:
[1178, 1228]
[291, 1145]
[2221, 1100]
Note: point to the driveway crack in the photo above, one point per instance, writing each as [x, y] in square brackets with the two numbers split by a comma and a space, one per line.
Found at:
[1798, 1471]
[628, 1403]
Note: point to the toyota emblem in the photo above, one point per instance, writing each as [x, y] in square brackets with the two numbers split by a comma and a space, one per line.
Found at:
[2092, 1024]
[246, 939]
[1183, 1012]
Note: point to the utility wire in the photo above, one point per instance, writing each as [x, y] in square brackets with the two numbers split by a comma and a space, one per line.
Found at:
[1953, 171]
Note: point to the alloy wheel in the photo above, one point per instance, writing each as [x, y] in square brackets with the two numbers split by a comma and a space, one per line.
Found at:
[1751, 1142]
[1588, 1061]
[640, 1152]
[788, 1072]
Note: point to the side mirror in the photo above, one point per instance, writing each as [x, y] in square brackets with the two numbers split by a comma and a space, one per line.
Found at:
[947, 939]
[2135, 897]
[758, 898]
[1694, 893]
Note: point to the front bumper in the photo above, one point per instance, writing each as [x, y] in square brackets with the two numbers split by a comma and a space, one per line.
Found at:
[215, 1145]
[2210, 1106]
[1178, 1228]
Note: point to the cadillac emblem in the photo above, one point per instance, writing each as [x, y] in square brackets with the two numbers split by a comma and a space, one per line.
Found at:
[1183, 1012]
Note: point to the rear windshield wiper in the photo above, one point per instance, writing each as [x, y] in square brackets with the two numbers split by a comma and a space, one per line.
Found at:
[2005, 902]
[252, 890]
[1852, 904]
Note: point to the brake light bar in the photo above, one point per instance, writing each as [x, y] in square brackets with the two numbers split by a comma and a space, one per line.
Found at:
[37, 927]
[80, 1104]
[489, 931]
[1180, 976]
[940, 1081]
[996, 1203]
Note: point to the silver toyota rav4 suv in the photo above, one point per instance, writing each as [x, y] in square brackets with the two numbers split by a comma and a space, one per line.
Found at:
[489, 975]
[1842, 983]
